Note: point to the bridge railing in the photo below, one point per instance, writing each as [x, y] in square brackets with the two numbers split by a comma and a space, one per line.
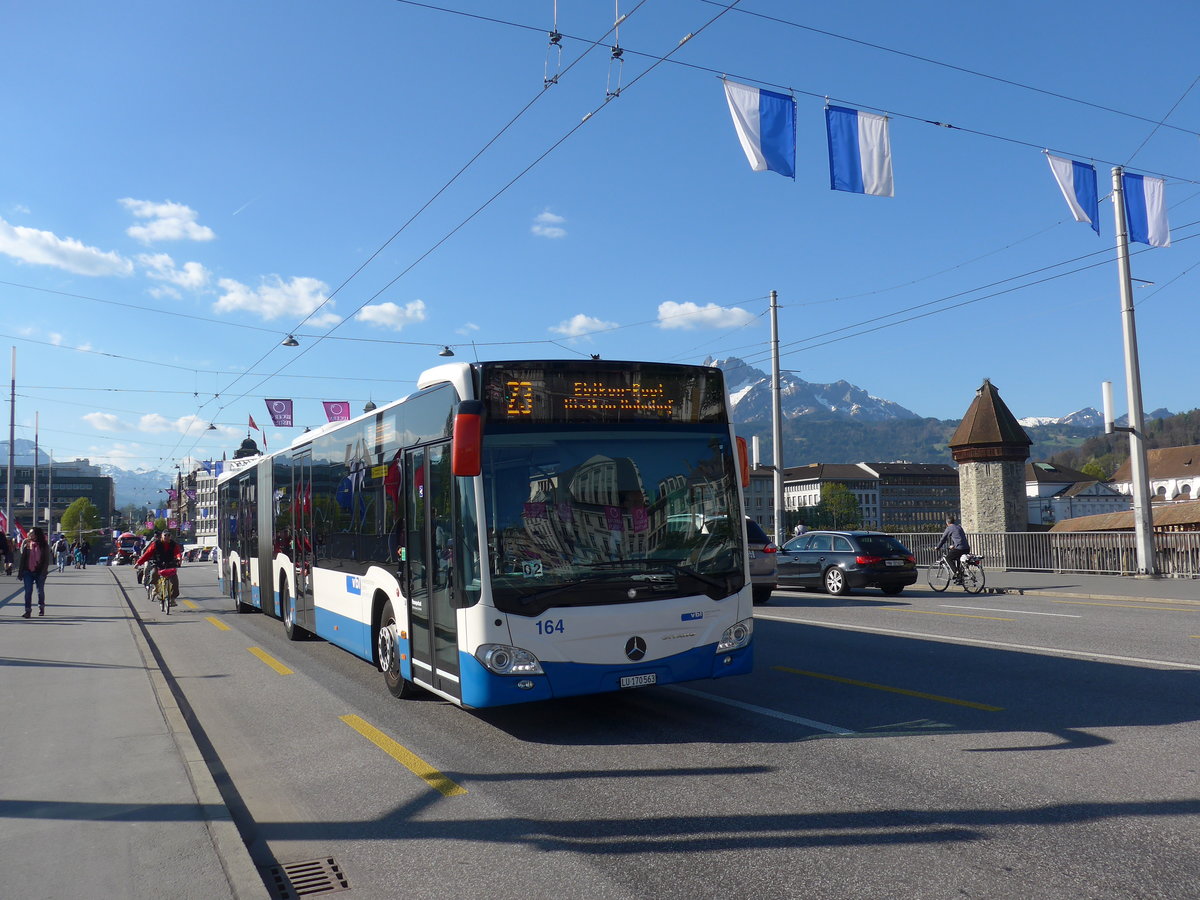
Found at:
[1176, 553]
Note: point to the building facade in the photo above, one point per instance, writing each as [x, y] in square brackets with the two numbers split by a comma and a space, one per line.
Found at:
[57, 487]
[991, 447]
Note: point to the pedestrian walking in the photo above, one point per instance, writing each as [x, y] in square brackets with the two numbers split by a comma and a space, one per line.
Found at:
[62, 553]
[35, 563]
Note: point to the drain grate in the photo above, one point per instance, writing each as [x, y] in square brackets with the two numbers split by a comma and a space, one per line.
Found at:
[307, 879]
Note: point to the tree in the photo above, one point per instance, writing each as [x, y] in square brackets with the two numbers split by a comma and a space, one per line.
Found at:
[838, 507]
[1093, 468]
[81, 518]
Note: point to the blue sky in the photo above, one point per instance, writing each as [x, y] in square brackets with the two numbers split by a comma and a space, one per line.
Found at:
[183, 185]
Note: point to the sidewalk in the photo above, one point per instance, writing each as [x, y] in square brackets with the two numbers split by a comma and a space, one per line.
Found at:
[103, 792]
[1093, 587]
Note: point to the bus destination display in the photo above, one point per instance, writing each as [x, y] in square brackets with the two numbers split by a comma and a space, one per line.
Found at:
[582, 393]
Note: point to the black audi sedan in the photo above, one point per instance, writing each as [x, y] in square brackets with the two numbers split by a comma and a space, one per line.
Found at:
[840, 561]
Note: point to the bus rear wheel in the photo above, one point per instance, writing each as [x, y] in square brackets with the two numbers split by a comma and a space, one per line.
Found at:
[235, 591]
[293, 631]
[388, 654]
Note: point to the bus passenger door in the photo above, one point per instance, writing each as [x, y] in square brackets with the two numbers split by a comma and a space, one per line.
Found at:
[433, 620]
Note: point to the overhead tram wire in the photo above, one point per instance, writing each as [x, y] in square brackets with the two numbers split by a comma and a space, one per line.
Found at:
[592, 45]
[827, 96]
[951, 66]
[880, 327]
[505, 187]
[1163, 122]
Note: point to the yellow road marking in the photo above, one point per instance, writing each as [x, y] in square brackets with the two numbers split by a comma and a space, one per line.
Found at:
[218, 623]
[189, 604]
[893, 690]
[406, 758]
[1122, 605]
[270, 661]
[930, 612]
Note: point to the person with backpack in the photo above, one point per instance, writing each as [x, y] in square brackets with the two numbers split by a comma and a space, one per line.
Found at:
[35, 563]
[164, 553]
[62, 552]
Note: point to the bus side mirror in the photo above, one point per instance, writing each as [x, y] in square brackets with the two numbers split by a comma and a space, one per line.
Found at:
[743, 462]
[466, 451]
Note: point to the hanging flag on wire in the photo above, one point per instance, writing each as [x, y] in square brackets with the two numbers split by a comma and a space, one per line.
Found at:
[1146, 210]
[1077, 181]
[860, 152]
[336, 410]
[766, 126]
[252, 425]
[281, 413]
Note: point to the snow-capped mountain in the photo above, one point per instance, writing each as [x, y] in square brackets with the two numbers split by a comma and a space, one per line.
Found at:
[750, 396]
[1088, 417]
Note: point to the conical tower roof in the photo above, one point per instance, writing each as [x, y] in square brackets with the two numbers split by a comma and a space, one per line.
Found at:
[989, 431]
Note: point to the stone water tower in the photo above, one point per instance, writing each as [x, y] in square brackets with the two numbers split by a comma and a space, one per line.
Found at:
[991, 447]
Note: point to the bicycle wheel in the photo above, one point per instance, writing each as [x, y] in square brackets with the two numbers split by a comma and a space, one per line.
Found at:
[164, 595]
[939, 576]
[973, 578]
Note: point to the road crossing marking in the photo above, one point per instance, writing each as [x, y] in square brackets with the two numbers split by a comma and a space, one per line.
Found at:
[218, 623]
[427, 773]
[270, 661]
[894, 690]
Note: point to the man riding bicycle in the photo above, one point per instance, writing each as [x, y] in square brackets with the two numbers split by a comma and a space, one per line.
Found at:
[955, 541]
[163, 553]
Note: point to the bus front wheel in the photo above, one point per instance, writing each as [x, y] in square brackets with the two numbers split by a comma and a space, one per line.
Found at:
[293, 631]
[388, 654]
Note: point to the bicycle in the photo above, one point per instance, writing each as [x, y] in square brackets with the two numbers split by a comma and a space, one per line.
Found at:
[941, 574]
[162, 589]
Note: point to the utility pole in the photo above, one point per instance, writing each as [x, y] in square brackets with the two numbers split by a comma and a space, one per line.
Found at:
[1143, 517]
[12, 443]
[776, 420]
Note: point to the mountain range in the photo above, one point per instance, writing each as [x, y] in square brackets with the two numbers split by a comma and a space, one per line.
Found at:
[1088, 417]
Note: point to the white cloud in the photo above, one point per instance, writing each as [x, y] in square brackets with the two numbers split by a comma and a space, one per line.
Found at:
[165, 222]
[580, 325]
[275, 298]
[467, 329]
[159, 266]
[55, 338]
[103, 421]
[44, 248]
[687, 316]
[126, 456]
[391, 315]
[548, 225]
[153, 423]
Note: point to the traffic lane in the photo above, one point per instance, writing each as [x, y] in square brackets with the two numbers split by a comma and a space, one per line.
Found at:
[1135, 630]
[317, 775]
[631, 783]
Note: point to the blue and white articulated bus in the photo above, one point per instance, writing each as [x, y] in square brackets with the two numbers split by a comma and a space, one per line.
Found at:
[512, 531]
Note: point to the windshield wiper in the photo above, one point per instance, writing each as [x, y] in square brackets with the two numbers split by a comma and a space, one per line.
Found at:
[668, 564]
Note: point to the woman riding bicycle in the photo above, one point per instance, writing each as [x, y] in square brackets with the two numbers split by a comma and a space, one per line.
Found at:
[164, 553]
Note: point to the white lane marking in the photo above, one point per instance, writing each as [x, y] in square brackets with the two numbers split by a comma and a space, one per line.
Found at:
[762, 710]
[1021, 612]
[1049, 651]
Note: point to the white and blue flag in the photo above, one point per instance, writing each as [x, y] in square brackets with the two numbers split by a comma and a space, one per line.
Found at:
[766, 126]
[1077, 181]
[860, 152]
[1146, 210]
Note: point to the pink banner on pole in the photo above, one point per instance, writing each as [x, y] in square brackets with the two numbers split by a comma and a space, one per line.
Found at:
[336, 410]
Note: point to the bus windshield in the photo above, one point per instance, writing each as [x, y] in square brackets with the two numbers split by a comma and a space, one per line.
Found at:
[599, 515]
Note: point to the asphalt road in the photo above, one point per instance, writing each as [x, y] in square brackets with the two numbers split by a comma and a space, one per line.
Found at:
[930, 745]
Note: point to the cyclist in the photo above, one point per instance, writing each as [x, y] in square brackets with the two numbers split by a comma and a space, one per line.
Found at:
[163, 553]
[955, 541]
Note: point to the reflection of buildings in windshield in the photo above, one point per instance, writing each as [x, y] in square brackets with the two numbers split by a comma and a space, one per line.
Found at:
[600, 511]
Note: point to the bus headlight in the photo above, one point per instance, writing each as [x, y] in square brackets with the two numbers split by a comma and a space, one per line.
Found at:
[502, 659]
[736, 636]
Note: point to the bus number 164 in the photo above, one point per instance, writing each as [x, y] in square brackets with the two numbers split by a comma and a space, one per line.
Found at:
[551, 626]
